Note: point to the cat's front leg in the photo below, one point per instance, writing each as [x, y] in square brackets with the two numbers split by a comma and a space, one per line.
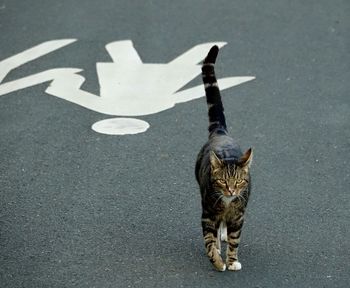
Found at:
[210, 234]
[234, 229]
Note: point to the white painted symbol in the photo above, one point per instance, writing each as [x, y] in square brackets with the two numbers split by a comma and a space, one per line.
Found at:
[128, 87]
[120, 126]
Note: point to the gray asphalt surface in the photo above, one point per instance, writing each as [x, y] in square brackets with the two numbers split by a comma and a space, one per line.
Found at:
[82, 209]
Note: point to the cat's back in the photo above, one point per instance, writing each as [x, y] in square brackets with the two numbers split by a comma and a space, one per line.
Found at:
[224, 146]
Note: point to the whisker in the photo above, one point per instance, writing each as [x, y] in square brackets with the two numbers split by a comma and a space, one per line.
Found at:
[242, 200]
[216, 202]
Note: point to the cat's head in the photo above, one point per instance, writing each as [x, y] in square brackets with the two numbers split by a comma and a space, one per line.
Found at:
[230, 178]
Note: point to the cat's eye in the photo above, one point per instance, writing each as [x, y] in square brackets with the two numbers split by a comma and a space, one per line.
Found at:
[240, 181]
[221, 181]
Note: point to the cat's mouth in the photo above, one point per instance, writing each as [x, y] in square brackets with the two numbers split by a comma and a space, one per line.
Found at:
[230, 193]
[229, 199]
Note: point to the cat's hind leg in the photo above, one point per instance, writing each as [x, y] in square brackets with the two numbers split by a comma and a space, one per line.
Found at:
[223, 231]
[218, 242]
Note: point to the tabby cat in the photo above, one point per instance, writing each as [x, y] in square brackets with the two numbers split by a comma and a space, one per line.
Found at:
[222, 172]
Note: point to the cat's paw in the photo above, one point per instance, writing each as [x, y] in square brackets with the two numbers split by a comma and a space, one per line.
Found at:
[219, 265]
[235, 266]
[221, 268]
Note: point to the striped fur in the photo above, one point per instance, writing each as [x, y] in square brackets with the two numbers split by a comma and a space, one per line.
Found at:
[222, 172]
[215, 107]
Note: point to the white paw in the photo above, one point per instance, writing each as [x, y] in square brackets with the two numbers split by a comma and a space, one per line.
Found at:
[223, 268]
[235, 266]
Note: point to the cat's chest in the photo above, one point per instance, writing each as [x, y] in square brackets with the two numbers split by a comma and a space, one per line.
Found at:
[229, 209]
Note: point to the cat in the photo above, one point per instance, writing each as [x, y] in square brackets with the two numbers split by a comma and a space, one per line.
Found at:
[222, 172]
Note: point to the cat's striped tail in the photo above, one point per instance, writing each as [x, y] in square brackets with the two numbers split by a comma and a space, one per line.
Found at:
[215, 108]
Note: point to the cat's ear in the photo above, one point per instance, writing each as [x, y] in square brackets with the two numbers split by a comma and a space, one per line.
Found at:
[246, 160]
[215, 161]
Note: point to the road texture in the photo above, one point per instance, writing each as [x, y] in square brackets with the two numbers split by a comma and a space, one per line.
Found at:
[83, 209]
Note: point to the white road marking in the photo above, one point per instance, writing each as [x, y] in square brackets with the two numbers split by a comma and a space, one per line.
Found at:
[31, 54]
[128, 87]
[120, 126]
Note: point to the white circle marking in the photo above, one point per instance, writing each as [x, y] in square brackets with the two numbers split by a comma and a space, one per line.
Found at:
[120, 126]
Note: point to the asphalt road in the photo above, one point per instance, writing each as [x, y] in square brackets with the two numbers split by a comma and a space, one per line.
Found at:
[83, 209]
